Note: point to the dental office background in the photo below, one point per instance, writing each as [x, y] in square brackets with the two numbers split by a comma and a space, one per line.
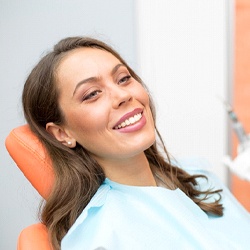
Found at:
[182, 49]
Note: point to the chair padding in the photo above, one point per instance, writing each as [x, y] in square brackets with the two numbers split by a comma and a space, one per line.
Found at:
[31, 157]
[34, 237]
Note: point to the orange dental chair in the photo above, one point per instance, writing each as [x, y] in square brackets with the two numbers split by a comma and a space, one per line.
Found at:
[32, 159]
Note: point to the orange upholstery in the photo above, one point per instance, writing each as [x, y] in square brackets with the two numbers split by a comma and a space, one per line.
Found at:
[33, 160]
[241, 93]
[34, 237]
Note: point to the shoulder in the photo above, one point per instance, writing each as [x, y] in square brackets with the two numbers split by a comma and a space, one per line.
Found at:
[96, 203]
[192, 164]
[195, 166]
[200, 166]
[98, 219]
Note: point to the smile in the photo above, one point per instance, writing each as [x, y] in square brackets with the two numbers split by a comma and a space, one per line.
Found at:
[131, 120]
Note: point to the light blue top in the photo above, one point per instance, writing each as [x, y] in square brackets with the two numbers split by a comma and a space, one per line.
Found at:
[121, 217]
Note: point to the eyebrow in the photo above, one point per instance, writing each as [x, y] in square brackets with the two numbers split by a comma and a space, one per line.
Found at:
[94, 79]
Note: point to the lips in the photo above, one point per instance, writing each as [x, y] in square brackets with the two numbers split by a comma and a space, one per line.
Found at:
[129, 118]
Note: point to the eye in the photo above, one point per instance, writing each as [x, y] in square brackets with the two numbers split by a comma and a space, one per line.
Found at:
[91, 95]
[124, 79]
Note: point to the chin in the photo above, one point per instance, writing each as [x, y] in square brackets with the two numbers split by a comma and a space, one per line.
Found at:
[150, 142]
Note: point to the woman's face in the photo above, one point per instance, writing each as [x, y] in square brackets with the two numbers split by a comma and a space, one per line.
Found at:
[106, 110]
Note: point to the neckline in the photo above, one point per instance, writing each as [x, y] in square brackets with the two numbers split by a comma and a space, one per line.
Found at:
[117, 185]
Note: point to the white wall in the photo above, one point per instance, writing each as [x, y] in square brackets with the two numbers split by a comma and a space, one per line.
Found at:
[184, 56]
[27, 30]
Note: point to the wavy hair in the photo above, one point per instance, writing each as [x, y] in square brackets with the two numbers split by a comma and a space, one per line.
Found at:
[77, 174]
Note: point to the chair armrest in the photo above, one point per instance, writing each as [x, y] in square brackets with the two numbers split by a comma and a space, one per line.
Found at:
[34, 237]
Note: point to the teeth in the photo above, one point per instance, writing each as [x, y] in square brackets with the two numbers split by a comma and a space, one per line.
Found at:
[132, 120]
[129, 121]
[137, 117]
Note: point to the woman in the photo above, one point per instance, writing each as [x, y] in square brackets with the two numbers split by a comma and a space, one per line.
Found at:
[113, 189]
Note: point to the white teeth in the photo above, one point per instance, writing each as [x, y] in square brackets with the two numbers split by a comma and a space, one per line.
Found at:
[129, 121]
[137, 117]
[132, 120]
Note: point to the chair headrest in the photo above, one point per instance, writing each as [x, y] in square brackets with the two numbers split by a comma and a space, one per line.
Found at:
[32, 158]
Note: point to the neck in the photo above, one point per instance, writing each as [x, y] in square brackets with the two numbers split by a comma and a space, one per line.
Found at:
[134, 171]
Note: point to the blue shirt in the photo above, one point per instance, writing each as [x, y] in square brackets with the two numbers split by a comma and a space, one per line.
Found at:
[121, 217]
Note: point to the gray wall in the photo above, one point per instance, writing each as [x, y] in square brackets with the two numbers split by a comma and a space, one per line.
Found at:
[27, 30]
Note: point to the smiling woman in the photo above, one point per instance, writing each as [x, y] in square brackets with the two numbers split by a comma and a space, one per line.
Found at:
[113, 188]
[97, 93]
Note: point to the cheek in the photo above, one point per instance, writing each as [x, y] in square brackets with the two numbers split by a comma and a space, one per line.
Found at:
[86, 124]
[141, 94]
[144, 99]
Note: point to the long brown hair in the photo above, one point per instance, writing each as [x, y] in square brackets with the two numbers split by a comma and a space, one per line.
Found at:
[78, 175]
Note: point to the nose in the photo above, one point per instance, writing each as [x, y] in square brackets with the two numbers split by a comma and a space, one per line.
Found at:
[120, 96]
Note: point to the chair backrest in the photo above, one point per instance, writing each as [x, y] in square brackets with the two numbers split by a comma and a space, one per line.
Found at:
[32, 158]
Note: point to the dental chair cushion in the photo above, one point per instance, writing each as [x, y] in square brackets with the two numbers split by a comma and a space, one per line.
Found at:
[34, 237]
[31, 157]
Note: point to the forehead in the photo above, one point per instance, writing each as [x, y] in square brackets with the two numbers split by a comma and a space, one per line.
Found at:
[84, 58]
[83, 63]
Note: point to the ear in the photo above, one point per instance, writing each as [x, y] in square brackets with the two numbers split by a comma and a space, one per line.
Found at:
[61, 134]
